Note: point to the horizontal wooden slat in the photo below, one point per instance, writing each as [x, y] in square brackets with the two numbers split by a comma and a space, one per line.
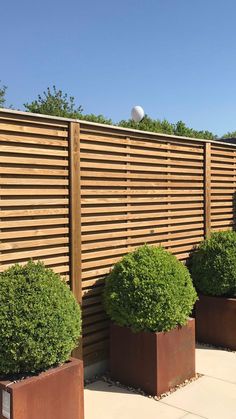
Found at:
[34, 212]
[33, 192]
[138, 200]
[33, 181]
[88, 320]
[139, 168]
[21, 244]
[32, 119]
[32, 171]
[32, 223]
[32, 202]
[33, 161]
[34, 233]
[90, 349]
[175, 215]
[220, 151]
[15, 256]
[143, 192]
[94, 337]
[32, 151]
[35, 140]
[222, 216]
[100, 174]
[136, 208]
[135, 184]
[33, 130]
[97, 326]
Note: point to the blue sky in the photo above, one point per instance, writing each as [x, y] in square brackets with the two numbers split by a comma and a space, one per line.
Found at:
[176, 58]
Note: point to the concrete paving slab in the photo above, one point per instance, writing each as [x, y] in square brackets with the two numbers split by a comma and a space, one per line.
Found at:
[191, 416]
[208, 397]
[103, 401]
[216, 363]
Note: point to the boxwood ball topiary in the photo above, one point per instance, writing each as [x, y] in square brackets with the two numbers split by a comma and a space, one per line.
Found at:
[40, 320]
[213, 265]
[150, 290]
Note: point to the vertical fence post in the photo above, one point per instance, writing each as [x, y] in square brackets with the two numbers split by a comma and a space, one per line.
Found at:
[75, 218]
[207, 189]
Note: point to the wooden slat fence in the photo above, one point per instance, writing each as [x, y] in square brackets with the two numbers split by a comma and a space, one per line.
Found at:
[135, 189]
[34, 190]
[78, 196]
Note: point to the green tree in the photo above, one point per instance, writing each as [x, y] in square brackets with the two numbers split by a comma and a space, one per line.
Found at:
[3, 96]
[99, 119]
[55, 102]
[184, 131]
[149, 124]
[229, 135]
[165, 127]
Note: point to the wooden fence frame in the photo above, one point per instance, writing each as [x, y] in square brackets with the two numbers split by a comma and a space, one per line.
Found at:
[216, 164]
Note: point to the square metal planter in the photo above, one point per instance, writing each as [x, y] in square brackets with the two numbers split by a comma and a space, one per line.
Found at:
[54, 394]
[216, 321]
[154, 362]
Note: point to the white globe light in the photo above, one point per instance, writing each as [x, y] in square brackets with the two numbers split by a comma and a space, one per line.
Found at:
[137, 113]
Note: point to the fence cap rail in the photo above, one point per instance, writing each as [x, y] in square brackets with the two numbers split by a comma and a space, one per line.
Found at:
[114, 127]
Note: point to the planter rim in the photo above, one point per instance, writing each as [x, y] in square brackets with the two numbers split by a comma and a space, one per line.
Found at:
[190, 319]
[42, 374]
[220, 297]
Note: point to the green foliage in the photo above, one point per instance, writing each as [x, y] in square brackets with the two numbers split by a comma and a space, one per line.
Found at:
[181, 129]
[55, 103]
[230, 135]
[99, 119]
[213, 265]
[165, 127]
[40, 320]
[2, 96]
[148, 124]
[149, 289]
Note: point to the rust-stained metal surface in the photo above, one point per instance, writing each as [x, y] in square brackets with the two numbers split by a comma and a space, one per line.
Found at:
[154, 362]
[54, 394]
[216, 321]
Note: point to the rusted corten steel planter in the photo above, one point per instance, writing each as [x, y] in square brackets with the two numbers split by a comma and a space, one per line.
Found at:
[54, 394]
[216, 321]
[154, 362]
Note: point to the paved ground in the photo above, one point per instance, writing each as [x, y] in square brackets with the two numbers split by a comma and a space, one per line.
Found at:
[212, 396]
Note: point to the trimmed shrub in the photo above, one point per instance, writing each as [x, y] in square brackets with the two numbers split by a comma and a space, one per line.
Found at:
[150, 290]
[213, 265]
[40, 320]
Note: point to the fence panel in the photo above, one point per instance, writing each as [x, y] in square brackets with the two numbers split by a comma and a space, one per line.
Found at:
[34, 191]
[135, 189]
[223, 183]
[78, 196]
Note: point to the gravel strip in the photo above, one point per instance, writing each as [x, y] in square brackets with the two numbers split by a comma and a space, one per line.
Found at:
[207, 345]
[107, 379]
